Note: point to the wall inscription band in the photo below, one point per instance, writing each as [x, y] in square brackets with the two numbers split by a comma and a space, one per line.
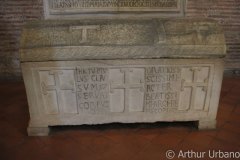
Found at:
[75, 8]
[75, 4]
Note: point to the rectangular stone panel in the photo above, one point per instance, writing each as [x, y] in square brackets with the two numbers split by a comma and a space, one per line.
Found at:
[58, 90]
[162, 88]
[79, 8]
[92, 89]
[130, 82]
[126, 89]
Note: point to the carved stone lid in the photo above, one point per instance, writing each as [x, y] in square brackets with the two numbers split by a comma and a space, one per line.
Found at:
[115, 39]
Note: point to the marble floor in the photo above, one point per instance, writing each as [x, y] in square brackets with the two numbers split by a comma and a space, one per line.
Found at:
[115, 141]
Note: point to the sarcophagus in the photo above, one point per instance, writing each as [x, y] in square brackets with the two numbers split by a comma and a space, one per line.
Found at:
[95, 72]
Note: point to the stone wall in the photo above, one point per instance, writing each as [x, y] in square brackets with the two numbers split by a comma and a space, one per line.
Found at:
[227, 13]
[15, 13]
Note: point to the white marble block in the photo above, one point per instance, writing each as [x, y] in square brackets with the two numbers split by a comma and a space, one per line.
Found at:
[95, 72]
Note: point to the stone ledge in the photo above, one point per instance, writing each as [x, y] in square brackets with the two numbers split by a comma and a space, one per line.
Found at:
[121, 52]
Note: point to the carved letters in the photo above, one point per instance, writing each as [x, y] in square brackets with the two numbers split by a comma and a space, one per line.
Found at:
[151, 89]
[92, 89]
[121, 4]
[162, 88]
[79, 8]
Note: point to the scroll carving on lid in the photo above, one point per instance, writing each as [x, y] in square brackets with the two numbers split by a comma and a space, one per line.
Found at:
[82, 8]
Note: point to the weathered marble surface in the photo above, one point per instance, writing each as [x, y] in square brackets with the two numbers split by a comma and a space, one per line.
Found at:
[128, 91]
[69, 9]
[116, 39]
[94, 72]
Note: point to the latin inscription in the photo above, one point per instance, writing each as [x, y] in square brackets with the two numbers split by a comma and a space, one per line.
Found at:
[126, 89]
[92, 89]
[162, 86]
[75, 4]
[80, 8]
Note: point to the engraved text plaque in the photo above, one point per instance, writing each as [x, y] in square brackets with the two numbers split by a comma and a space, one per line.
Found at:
[116, 8]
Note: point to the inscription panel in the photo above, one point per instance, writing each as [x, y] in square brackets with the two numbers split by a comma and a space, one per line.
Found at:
[162, 88]
[78, 7]
[127, 89]
[92, 89]
[112, 5]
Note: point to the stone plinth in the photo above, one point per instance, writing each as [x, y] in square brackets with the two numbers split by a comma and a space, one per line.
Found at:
[94, 72]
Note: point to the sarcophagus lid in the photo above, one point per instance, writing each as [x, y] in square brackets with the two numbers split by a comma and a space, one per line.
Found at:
[121, 39]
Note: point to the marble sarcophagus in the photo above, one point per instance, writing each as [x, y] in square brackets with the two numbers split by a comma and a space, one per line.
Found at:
[100, 71]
